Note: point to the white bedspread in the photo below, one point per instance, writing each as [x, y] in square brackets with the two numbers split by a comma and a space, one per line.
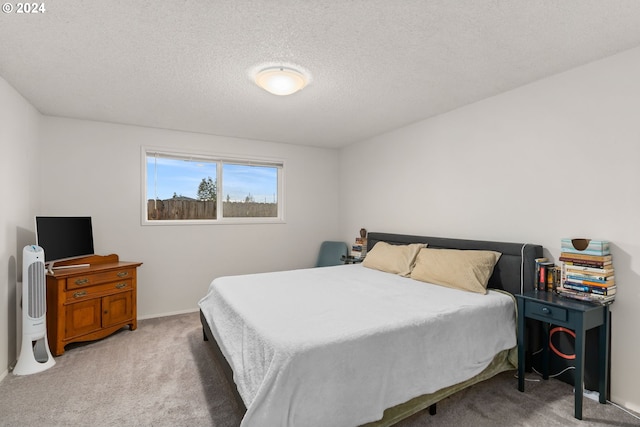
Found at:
[336, 346]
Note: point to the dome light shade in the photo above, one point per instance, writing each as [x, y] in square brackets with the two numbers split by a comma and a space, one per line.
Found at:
[280, 80]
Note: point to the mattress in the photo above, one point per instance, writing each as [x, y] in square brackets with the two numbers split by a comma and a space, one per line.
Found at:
[338, 345]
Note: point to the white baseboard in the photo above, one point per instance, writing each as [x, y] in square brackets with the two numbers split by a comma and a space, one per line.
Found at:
[4, 374]
[172, 313]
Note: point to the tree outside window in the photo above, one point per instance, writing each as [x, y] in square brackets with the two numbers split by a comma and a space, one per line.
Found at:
[185, 188]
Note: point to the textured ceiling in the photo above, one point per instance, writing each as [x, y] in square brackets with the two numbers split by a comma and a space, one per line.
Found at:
[375, 64]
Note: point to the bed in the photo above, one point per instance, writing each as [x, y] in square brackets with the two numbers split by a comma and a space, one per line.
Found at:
[353, 345]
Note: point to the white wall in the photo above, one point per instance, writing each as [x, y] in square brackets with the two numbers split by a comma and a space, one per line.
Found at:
[19, 176]
[92, 168]
[557, 158]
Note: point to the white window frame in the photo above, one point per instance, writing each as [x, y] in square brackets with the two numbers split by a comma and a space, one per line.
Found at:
[220, 159]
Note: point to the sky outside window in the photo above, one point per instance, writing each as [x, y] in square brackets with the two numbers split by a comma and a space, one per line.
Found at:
[242, 181]
[166, 177]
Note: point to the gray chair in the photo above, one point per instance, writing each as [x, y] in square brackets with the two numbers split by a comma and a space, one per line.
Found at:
[331, 253]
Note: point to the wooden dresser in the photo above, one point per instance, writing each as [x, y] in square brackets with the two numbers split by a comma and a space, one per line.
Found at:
[91, 302]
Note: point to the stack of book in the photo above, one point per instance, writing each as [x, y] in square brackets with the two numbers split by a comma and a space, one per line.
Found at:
[588, 275]
[359, 248]
[547, 275]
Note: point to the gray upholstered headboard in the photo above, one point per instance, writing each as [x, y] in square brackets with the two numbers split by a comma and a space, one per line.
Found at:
[515, 268]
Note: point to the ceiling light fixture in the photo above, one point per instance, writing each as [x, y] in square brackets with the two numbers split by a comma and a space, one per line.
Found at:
[281, 80]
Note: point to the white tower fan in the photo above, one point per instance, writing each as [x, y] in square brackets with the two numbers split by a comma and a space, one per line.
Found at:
[35, 355]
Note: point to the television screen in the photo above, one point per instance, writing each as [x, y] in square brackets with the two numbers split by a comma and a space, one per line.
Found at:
[64, 237]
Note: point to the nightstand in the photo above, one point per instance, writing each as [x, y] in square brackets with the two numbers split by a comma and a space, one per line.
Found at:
[579, 316]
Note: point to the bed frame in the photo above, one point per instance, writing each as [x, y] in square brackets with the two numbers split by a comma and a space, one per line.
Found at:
[514, 273]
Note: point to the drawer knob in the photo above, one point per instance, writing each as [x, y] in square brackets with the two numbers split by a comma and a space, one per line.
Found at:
[545, 310]
[82, 281]
[121, 285]
[79, 294]
[123, 274]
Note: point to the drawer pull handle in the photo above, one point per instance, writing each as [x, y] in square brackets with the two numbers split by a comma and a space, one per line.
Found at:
[546, 310]
[79, 294]
[123, 274]
[121, 285]
[82, 281]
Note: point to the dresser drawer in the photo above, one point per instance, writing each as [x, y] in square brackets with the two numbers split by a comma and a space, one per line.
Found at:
[544, 311]
[97, 278]
[98, 290]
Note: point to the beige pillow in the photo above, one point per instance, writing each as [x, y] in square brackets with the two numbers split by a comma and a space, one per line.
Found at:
[454, 268]
[396, 259]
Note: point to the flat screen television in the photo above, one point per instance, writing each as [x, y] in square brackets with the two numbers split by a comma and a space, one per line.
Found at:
[64, 237]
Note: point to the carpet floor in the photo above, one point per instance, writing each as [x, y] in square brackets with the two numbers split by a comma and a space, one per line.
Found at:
[163, 374]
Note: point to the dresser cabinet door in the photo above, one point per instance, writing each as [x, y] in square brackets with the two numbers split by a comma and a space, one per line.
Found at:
[83, 317]
[116, 309]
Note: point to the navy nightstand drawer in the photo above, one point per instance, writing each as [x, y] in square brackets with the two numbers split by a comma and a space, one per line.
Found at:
[545, 311]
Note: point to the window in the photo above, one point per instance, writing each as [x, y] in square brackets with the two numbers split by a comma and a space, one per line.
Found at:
[196, 188]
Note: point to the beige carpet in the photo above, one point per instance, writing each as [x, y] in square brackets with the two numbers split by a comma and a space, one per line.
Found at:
[163, 374]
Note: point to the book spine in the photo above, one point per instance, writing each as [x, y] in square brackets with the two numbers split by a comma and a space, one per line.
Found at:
[605, 292]
[589, 282]
[589, 278]
[584, 295]
[538, 261]
[590, 289]
[542, 277]
[599, 258]
[589, 270]
[588, 297]
[553, 277]
[585, 263]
